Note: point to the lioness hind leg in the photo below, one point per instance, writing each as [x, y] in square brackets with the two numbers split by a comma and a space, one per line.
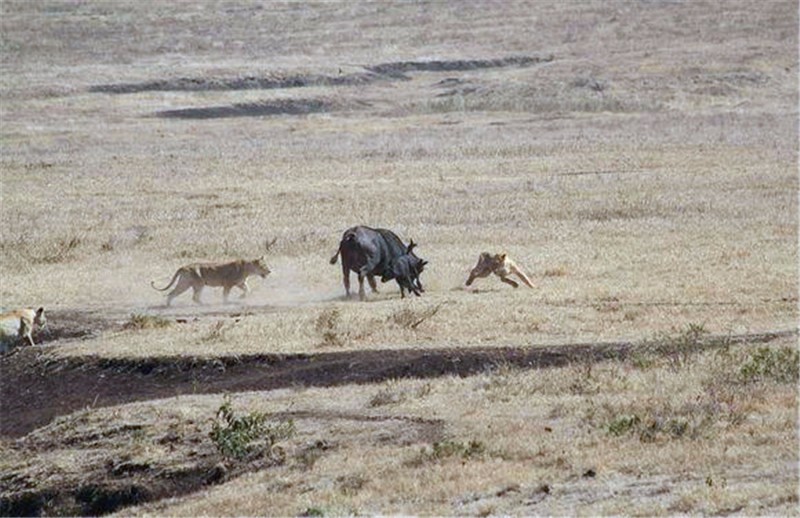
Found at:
[197, 291]
[476, 274]
[509, 281]
[225, 292]
[180, 288]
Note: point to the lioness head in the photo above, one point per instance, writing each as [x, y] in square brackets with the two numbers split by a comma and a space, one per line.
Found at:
[488, 262]
[40, 319]
[260, 267]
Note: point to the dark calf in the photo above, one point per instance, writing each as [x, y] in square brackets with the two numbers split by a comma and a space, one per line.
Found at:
[406, 270]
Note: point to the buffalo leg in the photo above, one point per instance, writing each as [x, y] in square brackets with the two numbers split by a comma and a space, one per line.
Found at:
[346, 279]
[361, 294]
[371, 280]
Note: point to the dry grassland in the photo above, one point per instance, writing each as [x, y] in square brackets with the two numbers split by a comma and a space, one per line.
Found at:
[638, 159]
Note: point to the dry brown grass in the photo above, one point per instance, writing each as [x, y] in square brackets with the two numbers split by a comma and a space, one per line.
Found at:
[645, 176]
[706, 439]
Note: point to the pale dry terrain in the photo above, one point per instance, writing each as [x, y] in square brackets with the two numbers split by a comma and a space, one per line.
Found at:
[638, 159]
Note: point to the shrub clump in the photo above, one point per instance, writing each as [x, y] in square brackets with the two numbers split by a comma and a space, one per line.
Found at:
[449, 448]
[780, 365]
[692, 420]
[238, 437]
[139, 321]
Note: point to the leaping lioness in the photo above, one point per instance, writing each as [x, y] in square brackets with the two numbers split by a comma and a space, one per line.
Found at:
[500, 265]
[199, 275]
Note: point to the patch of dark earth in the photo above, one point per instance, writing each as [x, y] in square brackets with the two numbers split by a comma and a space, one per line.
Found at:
[105, 496]
[256, 109]
[115, 484]
[35, 387]
[381, 72]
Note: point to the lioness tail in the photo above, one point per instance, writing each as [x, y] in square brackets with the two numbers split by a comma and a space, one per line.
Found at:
[168, 286]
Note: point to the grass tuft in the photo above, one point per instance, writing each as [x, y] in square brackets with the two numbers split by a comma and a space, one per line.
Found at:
[139, 321]
[329, 325]
[237, 437]
[765, 364]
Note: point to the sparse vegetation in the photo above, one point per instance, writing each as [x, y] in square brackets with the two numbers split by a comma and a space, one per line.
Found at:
[778, 365]
[329, 326]
[387, 396]
[57, 251]
[677, 347]
[218, 332]
[690, 421]
[462, 449]
[237, 437]
[412, 318]
[140, 321]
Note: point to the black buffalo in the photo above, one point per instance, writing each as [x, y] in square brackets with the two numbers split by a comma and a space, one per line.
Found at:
[372, 252]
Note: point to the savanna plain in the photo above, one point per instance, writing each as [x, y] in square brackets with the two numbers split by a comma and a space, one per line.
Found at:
[638, 159]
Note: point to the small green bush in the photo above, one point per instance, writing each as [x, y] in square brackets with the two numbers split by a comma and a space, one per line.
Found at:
[687, 421]
[677, 347]
[623, 424]
[237, 436]
[780, 365]
[465, 450]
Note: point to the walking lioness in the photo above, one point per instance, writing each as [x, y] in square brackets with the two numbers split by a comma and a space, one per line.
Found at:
[500, 265]
[199, 275]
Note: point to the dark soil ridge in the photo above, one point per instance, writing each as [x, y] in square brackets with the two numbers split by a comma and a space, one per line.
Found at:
[97, 498]
[256, 109]
[123, 484]
[199, 84]
[35, 387]
[381, 72]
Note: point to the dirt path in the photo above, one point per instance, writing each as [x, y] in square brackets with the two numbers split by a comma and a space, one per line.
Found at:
[35, 388]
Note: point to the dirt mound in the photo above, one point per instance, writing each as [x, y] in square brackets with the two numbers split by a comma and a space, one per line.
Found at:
[201, 84]
[258, 109]
[35, 388]
[383, 71]
[183, 457]
[399, 68]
